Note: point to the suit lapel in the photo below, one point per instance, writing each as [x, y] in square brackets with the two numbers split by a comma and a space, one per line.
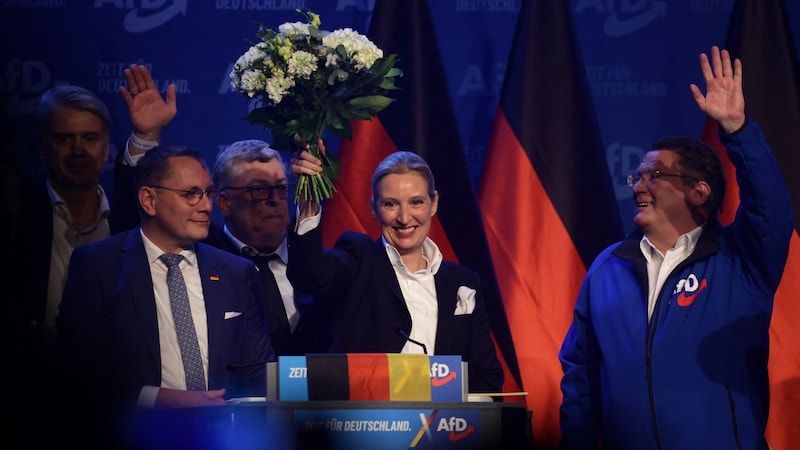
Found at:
[35, 244]
[387, 271]
[446, 297]
[302, 302]
[136, 271]
[446, 291]
[214, 292]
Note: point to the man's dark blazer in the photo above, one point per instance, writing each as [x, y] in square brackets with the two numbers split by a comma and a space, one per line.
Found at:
[373, 312]
[312, 333]
[28, 281]
[108, 328]
[33, 243]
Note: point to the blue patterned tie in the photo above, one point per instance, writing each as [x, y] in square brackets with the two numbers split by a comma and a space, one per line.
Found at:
[184, 325]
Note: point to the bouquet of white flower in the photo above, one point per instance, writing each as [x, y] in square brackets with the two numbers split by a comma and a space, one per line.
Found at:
[308, 80]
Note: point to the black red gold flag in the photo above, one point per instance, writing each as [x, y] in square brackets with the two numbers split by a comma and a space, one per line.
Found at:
[546, 197]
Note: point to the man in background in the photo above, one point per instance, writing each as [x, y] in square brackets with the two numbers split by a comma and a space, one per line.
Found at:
[66, 209]
[254, 201]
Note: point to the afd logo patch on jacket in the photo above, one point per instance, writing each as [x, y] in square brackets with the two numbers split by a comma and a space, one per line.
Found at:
[688, 289]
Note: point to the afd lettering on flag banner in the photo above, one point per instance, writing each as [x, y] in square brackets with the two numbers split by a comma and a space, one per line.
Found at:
[372, 377]
[392, 428]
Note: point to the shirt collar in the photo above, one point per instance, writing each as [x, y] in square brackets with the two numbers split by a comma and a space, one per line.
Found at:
[685, 243]
[153, 252]
[430, 251]
[60, 207]
[282, 251]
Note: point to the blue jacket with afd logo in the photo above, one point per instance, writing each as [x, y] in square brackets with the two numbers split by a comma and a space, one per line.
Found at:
[695, 376]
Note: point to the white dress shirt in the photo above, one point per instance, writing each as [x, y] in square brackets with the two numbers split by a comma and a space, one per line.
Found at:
[172, 373]
[659, 266]
[419, 292]
[65, 239]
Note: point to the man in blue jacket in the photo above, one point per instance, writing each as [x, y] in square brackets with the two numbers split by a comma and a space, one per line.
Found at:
[669, 343]
[119, 333]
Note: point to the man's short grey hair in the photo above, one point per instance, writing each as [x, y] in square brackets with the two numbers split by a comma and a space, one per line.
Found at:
[248, 150]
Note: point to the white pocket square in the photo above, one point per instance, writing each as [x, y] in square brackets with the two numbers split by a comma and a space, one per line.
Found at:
[232, 314]
[466, 301]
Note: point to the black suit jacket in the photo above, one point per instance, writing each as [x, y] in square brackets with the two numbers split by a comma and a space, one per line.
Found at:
[358, 274]
[313, 331]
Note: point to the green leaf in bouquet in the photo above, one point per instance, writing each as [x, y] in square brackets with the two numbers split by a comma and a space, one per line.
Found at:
[340, 127]
[341, 51]
[371, 103]
[385, 67]
[354, 114]
[337, 75]
[345, 131]
[388, 84]
[265, 34]
[394, 72]
[313, 18]
[366, 79]
[335, 123]
[293, 126]
[381, 66]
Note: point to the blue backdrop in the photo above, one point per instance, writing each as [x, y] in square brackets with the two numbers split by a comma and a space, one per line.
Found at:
[640, 57]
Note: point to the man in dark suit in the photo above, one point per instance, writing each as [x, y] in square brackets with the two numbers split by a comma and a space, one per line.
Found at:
[117, 333]
[253, 200]
[65, 209]
[254, 204]
[70, 207]
[396, 294]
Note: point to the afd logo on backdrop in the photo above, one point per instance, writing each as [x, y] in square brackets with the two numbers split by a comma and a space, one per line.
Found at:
[624, 16]
[145, 15]
[24, 80]
[623, 159]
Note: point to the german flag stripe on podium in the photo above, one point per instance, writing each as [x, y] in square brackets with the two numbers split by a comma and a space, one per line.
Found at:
[371, 377]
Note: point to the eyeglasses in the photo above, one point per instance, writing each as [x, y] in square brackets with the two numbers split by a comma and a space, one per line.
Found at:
[263, 191]
[192, 196]
[651, 175]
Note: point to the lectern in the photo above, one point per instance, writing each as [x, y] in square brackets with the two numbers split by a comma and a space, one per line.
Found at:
[361, 410]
